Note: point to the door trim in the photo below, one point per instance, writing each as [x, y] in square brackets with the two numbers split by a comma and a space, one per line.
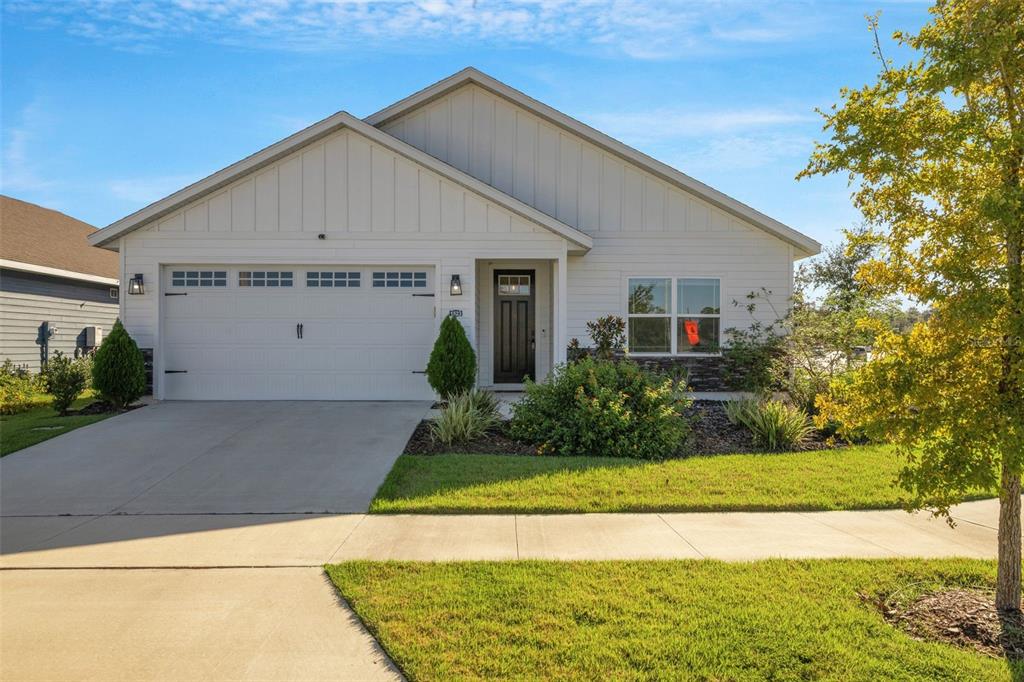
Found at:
[498, 377]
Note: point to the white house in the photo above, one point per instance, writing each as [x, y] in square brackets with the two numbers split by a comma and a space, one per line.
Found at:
[321, 266]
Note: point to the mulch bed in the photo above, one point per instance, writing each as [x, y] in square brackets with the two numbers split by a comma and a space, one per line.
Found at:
[101, 407]
[495, 442]
[711, 433]
[963, 617]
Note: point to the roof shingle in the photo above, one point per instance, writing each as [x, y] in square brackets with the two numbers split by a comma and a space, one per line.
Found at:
[41, 236]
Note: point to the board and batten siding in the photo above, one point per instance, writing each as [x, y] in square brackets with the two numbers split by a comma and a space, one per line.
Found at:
[27, 300]
[745, 260]
[373, 206]
[641, 224]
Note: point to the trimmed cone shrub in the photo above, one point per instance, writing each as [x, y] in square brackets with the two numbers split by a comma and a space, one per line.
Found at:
[65, 378]
[452, 366]
[118, 370]
[601, 408]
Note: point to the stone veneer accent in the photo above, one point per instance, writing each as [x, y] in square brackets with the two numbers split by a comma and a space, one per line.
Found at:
[702, 373]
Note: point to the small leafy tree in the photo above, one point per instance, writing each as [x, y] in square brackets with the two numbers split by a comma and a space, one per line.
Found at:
[118, 369]
[609, 335]
[65, 379]
[452, 366]
[936, 149]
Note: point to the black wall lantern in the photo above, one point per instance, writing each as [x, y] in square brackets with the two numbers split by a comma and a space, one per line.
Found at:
[135, 285]
[456, 288]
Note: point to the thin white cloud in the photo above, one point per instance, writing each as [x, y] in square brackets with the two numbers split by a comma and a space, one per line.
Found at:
[20, 170]
[633, 28]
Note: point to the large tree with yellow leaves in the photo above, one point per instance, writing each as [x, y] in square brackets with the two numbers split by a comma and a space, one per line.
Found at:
[935, 153]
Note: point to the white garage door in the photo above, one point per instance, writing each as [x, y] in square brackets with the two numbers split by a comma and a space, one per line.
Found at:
[297, 332]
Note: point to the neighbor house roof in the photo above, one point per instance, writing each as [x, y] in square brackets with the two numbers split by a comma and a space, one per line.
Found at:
[805, 245]
[41, 240]
[579, 241]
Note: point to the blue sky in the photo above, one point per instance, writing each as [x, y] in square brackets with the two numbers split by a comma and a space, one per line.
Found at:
[110, 105]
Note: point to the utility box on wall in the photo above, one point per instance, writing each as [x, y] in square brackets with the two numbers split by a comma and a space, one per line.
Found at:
[93, 337]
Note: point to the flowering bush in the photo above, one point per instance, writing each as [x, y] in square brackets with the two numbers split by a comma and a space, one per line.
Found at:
[602, 408]
[18, 388]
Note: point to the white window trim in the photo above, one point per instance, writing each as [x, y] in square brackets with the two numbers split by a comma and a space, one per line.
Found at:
[674, 315]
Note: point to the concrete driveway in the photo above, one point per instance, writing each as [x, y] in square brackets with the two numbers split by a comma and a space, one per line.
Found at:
[264, 491]
[214, 458]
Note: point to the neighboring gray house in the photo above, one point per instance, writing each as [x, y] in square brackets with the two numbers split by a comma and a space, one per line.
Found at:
[321, 266]
[57, 292]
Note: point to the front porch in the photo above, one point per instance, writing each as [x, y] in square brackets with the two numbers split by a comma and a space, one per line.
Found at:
[520, 320]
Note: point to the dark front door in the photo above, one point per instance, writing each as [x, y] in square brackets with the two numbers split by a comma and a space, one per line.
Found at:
[514, 341]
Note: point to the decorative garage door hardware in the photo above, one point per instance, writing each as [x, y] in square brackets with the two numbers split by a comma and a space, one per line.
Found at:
[425, 295]
[298, 330]
[175, 371]
[175, 293]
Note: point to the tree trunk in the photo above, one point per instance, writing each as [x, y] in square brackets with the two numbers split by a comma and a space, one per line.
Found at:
[1008, 573]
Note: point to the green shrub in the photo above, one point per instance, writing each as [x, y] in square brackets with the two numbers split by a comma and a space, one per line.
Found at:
[609, 335]
[452, 365]
[774, 424]
[484, 402]
[65, 378]
[118, 370]
[601, 408]
[467, 416]
[19, 388]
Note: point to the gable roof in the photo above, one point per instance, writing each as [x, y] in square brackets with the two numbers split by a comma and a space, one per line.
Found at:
[37, 239]
[579, 242]
[805, 245]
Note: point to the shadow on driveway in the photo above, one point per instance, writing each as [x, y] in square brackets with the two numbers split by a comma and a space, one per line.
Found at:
[199, 467]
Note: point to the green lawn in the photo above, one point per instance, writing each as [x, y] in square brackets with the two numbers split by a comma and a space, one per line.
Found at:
[41, 423]
[780, 620]
[858, 477]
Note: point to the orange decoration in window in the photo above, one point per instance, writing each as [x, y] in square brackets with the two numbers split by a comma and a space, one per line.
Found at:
[691, 332]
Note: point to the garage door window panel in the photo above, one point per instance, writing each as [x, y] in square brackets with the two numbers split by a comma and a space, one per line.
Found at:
[399, 279]
[199, 278]
[332, 280]
[265, 278]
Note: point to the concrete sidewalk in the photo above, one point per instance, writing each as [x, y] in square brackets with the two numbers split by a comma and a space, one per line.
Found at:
[246, 540]
[231, 624]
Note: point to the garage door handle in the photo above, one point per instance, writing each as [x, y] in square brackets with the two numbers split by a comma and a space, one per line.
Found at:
[175, 371]
[425, 295]
[298, 330]
[419, 371]
[182, 293]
